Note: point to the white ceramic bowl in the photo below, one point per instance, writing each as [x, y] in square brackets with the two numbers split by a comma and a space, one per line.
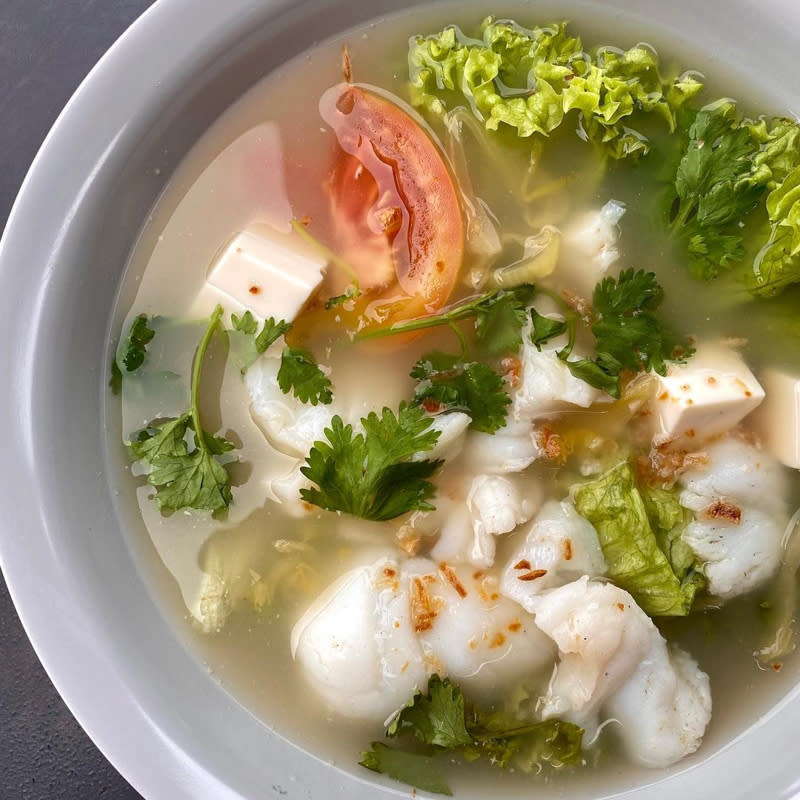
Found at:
[152, 708]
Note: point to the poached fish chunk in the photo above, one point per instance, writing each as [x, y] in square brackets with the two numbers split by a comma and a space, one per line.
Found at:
[664, 708]
[559, 547]
[614, 663]
[546, 385]
[357, 646]
[474, 635]
[380, 631]
[590, 248]
[602, 636]
[737, 470]
[496, 504]
[738, 499]
[511, 449]
[452, 428]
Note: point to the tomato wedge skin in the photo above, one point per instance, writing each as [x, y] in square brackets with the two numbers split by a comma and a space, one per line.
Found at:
[406, 207]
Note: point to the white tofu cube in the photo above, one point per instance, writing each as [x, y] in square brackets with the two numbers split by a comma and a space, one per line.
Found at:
[268, 274]
[707, 396]
[778, 419]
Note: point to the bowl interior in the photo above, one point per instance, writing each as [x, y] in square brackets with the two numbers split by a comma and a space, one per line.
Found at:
[74, 572]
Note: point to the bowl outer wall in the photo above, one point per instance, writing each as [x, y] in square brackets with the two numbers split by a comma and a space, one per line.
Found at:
[147, 703]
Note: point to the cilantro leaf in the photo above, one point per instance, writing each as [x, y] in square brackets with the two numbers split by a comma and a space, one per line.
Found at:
[504, 740]
[300, 374]
[161, 439]
[435, 718]
[632, 293]
[368, 474]
[500, 317]
[713, 178]
[115, 379]
[442, 722]
[217, 445]
[707, 254]
[471, 386]
[246, 323]
[134, 348]
[545, 328]
[719, 180]
[271, 330]
[191, 480]
[592, 373]
[728, 167]
[184, 477]
[628, 334]
[409, 768]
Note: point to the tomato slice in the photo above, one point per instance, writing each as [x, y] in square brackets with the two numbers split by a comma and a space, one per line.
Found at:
[396, 212]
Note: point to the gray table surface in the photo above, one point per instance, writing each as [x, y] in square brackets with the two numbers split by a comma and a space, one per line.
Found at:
[46, 48]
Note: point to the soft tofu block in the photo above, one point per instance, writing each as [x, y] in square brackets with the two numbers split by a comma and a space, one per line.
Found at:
[704, 397]
[266, 274]
[779, 416]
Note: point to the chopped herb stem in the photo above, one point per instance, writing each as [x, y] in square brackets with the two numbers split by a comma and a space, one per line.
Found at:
[454, 314]
[340, 262]
[197, 368]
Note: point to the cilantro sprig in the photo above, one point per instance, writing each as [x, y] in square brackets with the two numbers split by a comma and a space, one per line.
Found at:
[300, 374]
[452, 383]
[443, 724]
[715, 188]
[134, 349]
[369, 474]
[270, 332]
[187, 477]
[499, 316]
[628, 334]
[735, 199]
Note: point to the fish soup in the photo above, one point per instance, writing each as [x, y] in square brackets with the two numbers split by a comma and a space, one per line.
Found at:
[458, 404]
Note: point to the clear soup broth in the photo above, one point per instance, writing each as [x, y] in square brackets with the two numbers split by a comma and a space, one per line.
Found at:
[235, 584]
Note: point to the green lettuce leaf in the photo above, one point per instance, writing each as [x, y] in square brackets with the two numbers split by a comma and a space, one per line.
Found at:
[669, 520]
[531, 79]
[780, 146]
[777, 265]
[636, 563]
